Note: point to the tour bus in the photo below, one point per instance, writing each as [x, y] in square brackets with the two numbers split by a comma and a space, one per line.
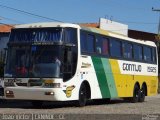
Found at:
[68, 62]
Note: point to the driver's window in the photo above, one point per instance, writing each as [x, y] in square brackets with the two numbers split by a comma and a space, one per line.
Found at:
[70, 53]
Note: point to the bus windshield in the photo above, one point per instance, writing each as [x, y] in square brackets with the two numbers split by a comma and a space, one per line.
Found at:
[34, 61]
[40, 52]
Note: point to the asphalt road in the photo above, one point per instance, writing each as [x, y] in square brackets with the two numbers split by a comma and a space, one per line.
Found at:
[116, 110]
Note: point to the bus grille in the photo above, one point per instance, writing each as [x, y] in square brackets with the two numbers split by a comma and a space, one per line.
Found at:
[31, 83]
[21, 84]
[34, 84]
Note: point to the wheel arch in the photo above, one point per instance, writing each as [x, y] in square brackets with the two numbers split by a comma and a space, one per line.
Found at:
[137, 83]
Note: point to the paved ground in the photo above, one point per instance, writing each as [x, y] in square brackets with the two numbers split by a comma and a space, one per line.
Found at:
[116, 109]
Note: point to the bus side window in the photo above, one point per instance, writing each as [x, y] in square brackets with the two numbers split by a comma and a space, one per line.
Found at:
[99, 45]
[115, 48]
[105, 46]
[83, 42]
[90, 43]
[147, 54]
[153, 55]
[127, 50]
[137, 52]
[102, 46]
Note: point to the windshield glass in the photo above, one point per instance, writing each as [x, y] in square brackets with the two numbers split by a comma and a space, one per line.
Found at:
[34, 61]
[36, 35]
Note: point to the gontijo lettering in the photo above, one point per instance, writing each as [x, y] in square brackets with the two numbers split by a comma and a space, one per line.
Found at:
[132, 67]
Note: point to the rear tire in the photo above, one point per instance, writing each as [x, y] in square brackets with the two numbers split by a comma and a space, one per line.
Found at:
[136, 94]
[142, 94]
[82, 96]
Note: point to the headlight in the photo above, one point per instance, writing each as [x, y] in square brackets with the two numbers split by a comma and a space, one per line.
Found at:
[9, 93]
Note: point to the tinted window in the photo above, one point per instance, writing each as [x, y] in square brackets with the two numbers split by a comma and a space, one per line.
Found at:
[99, 45]
[153, 54]
[147, 54]
[127, 50]
[83, 42]
[90, 43]
[102, 46]
[115, 48]
[36, 35]
[71, 35]
[105, 48]
[137, 51]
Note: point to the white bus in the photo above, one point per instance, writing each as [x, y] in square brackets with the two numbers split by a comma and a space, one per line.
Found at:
[66, 62]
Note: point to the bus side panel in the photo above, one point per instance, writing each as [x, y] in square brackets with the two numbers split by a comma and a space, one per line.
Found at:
[125, 82]
[120, 80]
[105, 77]
[112, 83]
[87, 73]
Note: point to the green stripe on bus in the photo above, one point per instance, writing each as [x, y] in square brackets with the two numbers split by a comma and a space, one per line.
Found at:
[109, 77]
[102, 80]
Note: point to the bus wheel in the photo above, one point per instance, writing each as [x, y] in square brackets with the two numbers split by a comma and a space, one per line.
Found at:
[136, 94]
[82, 96]
[37, 104]
[142, 94]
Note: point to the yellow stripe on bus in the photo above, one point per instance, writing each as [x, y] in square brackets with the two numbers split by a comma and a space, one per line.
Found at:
[125, 83]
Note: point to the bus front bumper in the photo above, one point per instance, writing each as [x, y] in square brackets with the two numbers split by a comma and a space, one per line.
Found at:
[44, 94]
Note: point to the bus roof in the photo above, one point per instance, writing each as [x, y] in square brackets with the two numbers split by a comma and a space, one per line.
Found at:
[89, 29]
[47, 24]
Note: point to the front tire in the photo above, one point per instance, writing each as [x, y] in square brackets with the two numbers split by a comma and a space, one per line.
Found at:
[82, 96]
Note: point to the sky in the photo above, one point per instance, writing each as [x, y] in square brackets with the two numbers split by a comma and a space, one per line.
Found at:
[137, 14]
